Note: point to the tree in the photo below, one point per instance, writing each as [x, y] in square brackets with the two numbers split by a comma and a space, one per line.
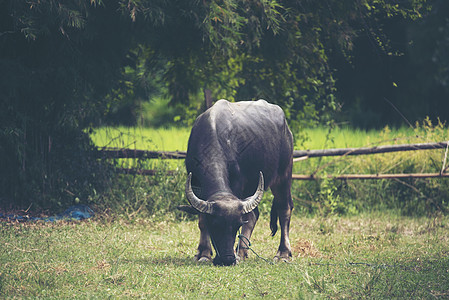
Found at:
[65, 64]
[57, 64]
[401, 81]
[284, 51]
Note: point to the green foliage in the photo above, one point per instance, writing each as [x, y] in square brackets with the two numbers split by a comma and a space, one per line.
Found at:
[147, 196]
[69, 66]
[403, 79]
[55, 60]
[157, 113]
[330, 199]
[280, 51]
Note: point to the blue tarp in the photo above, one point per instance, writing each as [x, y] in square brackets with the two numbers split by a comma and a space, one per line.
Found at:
[76, 212]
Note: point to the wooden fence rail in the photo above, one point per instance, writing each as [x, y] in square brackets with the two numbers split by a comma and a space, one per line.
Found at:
[371, 176]
[370, 150]
[130, 153]
[111, 153]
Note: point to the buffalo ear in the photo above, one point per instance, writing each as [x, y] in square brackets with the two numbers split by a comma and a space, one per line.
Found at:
[188, 209]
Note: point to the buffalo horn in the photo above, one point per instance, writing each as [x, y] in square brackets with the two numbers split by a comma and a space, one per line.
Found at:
[200, 205]
[252, 202]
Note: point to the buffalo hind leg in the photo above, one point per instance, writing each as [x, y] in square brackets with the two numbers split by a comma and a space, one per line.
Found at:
[204, 253]
[247, 230]
[283, 205]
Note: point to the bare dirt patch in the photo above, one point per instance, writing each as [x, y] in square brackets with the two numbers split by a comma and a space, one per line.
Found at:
[305, 248]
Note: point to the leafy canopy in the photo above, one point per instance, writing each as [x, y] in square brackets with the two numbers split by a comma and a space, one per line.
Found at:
[66, 64]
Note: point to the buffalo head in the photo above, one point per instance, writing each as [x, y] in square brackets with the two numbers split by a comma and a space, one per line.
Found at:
[225, 214]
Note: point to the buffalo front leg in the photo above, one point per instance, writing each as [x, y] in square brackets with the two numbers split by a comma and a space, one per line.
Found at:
[284, 205]
[204, 252]
[247, 230]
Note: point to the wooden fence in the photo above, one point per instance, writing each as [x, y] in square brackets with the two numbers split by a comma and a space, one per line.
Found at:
[298, 155]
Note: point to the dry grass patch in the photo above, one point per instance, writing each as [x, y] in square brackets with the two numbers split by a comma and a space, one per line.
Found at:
[305, 248]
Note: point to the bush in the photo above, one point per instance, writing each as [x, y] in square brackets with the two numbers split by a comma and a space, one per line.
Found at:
[54, 172]
[153, 196]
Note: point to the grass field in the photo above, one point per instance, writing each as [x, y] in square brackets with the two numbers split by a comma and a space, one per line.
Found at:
[160, 139]
[370, 256]
[145, 249]
[176, 138]
[172, 139]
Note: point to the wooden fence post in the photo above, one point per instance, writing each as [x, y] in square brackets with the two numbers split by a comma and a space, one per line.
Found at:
[208, 98]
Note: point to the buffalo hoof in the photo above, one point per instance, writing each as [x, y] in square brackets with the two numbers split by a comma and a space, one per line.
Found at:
[238, 259]
[204, 260]
[285, 259]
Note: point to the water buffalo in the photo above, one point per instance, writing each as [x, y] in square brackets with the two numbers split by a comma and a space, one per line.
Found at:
[235, 152]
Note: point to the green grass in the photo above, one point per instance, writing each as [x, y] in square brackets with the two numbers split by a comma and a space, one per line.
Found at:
[160, 139]
[176, 138]
[371, 256]
[141, 138]
[172, 139]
